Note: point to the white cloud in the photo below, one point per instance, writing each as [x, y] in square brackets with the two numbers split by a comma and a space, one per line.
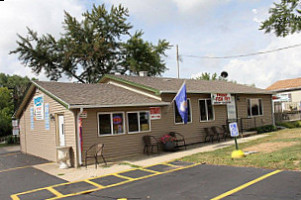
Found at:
[41, 16]
[266, 69]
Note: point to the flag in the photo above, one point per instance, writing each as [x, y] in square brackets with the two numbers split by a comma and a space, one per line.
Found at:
[181, 102]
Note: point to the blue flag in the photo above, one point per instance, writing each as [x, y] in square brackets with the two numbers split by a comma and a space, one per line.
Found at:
[181, 101]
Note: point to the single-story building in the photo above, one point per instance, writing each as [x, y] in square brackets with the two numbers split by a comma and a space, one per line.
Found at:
[121, 109]
[287, 95]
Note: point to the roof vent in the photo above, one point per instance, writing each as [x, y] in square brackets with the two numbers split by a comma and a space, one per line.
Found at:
[143, 73]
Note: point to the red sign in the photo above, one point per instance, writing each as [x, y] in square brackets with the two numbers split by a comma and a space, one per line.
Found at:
[117, 120]
[155, 113]
[221, 98]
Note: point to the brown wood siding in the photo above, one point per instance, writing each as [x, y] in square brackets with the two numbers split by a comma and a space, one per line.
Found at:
[242, 109]
[41, 142]
[121, 146]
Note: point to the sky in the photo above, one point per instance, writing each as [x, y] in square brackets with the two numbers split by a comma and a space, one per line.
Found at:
[198, 27]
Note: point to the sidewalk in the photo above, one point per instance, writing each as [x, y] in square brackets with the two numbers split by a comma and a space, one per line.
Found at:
[9, 149]
[74, 174]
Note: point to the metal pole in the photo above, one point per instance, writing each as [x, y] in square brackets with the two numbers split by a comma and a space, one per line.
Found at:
[236, 145]
[178, 67]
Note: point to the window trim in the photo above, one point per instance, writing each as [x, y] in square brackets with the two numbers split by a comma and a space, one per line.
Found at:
[251, 116]
[139, 131]
[112, 128]
[213, 111]
[174, 114]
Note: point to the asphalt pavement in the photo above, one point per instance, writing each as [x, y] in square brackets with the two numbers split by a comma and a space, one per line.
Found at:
[205, 182]
[17, 175]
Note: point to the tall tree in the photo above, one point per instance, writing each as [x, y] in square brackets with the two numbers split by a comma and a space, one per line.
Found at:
[206, 76]
[87, 49]
[284, 19]
[6, 111]
[144, 56]
[12, 89]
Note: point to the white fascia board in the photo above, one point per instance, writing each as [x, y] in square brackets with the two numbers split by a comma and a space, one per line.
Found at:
[135, 90]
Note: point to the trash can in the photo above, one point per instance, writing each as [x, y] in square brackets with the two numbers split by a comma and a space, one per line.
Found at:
[63, 155]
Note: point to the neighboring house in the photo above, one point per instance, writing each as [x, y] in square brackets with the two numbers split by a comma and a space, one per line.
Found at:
[288, 94]
[120, 110]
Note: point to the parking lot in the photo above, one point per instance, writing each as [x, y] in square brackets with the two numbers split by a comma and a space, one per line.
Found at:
[18, 175]
[172, 180]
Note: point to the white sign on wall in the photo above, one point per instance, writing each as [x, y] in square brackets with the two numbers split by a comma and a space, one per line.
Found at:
[220, 98]
[47, 117]
[38, 106]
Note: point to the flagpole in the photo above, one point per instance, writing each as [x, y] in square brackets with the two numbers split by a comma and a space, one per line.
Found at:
[179, 90]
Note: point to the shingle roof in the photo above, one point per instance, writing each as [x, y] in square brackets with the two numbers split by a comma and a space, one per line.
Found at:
[172, 85]
[99, 95]
[285, 84]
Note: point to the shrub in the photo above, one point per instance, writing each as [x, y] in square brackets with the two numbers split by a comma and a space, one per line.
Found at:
[295, 124]
[264, 129]
[12, 140]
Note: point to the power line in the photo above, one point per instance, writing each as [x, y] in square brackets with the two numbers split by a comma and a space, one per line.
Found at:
[244, 55]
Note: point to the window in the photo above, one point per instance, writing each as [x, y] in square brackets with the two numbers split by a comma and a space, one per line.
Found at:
[110, 123]
[178, 118]
[206, 110]
[138, 121]
[254, 107]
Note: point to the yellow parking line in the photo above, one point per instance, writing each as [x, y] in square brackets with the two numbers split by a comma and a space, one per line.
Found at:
[246, 185]
[92, 183]
[127, 180]
[55, 192]
[123, 177]
[149, 170]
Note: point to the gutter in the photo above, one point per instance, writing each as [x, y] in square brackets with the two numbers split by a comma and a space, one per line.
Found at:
[79, 150]
[118, 105]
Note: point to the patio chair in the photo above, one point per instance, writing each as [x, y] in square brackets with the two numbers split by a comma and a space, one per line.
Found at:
[179, 139]
[226, 129]
[209, 134]
[219, 132]
[95, 151]
[149, 143]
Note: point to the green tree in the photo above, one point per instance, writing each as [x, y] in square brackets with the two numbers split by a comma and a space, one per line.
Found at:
[6, 111]
[284, 19]
[87, 49]
[144, 56]
[17, 86]
[206, 76]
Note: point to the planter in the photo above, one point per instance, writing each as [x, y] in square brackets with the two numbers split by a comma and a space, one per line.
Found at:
[169, 146]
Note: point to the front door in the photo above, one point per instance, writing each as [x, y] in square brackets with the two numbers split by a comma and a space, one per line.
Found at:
[231, 109]
[61, 131]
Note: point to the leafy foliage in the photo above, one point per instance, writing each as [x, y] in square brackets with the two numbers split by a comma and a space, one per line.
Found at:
[284, 19]
[91, 48]
[12, 89]
[6, 111]
[144, 56]
[265, 129]
[207, 76]
[296, 124]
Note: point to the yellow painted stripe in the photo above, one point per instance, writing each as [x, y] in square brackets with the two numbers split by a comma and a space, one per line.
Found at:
[55, 192]
[170, 165]
[246, 185]
[14, 197]
[124, 177]
[151, 171]
[93, 183]
[128, 179]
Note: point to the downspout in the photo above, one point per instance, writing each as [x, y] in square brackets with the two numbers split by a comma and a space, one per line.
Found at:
[273, 114]
[78, 137]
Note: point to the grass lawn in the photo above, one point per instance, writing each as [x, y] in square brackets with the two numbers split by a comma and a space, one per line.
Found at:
[280, 150]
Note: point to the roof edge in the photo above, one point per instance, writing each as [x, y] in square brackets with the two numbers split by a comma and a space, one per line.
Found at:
[65, 104]
[120, 105]
[108, 76]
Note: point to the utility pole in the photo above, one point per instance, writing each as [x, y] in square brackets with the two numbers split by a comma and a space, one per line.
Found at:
[178, 67]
